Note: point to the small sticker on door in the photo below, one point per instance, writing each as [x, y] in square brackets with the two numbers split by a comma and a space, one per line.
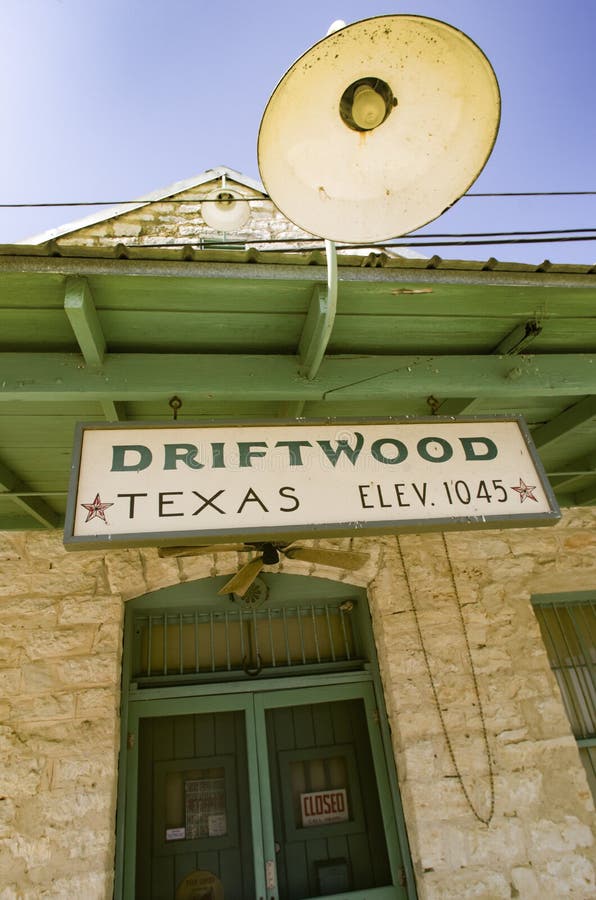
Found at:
[270, 874]
[175, 834]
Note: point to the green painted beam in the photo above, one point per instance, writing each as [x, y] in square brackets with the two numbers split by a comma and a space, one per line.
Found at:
[518, 339]
[26, 493]
[21, 495]
[564, 477]
[114, 412]
[292, 410]
[61, 377]
[20, 523]
[82, 315]
[511, 345]
[455, 406]
[586, 497]
[579, 415]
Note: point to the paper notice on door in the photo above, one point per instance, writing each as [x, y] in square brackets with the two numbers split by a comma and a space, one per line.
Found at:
[217, 825]
[175, 834]
[205, 802]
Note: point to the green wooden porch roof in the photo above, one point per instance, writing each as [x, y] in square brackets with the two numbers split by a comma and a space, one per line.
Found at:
[115, 332]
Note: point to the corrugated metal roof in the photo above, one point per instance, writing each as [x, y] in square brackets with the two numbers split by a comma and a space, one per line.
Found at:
[303, 257]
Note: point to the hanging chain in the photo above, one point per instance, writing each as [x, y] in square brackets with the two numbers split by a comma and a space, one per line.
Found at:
[484, 819]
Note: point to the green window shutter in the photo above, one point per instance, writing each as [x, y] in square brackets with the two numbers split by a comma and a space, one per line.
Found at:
[568, 626]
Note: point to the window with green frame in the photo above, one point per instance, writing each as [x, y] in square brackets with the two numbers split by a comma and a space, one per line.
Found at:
[568, 626]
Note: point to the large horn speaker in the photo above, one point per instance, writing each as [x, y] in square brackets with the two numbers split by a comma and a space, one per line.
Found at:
[379, 128]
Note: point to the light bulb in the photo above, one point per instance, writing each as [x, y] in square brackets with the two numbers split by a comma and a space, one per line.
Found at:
[368, 107]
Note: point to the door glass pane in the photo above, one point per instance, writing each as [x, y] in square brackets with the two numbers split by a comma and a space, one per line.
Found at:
[327, 820]
[195, 803]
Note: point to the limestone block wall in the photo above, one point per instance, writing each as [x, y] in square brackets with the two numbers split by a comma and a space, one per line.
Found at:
[540, 840]
[60, 657]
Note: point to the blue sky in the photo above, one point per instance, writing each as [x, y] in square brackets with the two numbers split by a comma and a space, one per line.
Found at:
[110, 99]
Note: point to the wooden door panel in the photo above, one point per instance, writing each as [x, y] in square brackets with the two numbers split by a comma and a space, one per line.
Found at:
[310, 748]
[179, 755]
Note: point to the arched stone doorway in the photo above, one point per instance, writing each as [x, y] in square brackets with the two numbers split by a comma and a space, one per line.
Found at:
[256, 759]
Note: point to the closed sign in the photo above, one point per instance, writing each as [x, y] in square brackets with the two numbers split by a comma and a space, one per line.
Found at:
[324, 807]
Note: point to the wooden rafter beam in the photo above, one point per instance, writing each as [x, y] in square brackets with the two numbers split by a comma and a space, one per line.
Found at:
[455, 406]
[22, 496]
[82, 315]
[146, 376]
[580, 415]
[518, 339]
[291, 410]
[153, 376]
[20, 523]
[565, 479]
[80, 308]
[587, 497]
[114, 411]
[511, 345]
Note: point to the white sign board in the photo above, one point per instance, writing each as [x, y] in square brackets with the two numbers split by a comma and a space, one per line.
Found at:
[324, 807]
[146, 484]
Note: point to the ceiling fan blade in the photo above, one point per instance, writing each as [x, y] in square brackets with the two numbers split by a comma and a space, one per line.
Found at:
[341, 559]
[200, 549]
[242, 580]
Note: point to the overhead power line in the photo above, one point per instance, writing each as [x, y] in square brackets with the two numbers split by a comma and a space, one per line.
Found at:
[175, 200]
[479, 239]
[532, 194]
[247, 239]
[405, 242]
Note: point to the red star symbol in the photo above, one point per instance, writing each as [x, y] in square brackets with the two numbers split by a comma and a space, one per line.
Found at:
[525, 491]
[96, 510]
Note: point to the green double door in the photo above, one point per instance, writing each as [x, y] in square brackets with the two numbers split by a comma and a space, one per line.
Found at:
[268, 795]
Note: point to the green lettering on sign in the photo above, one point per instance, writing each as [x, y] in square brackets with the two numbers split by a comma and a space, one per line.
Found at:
[489, 447]
[334, 453]
[185, 453]
[119, 462]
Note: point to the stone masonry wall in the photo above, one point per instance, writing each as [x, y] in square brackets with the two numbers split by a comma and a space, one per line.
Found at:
[60, 656]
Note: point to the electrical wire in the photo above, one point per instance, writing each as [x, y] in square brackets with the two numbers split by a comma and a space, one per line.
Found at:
[532, 194]
[396, 243]
[142, 201]
[404, 242]
[442, 239]
[230, 242]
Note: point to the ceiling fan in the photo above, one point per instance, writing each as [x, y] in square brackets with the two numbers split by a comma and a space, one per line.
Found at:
[269, 556]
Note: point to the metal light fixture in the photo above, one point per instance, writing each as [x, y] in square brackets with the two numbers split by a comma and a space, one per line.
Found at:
[378, 128]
